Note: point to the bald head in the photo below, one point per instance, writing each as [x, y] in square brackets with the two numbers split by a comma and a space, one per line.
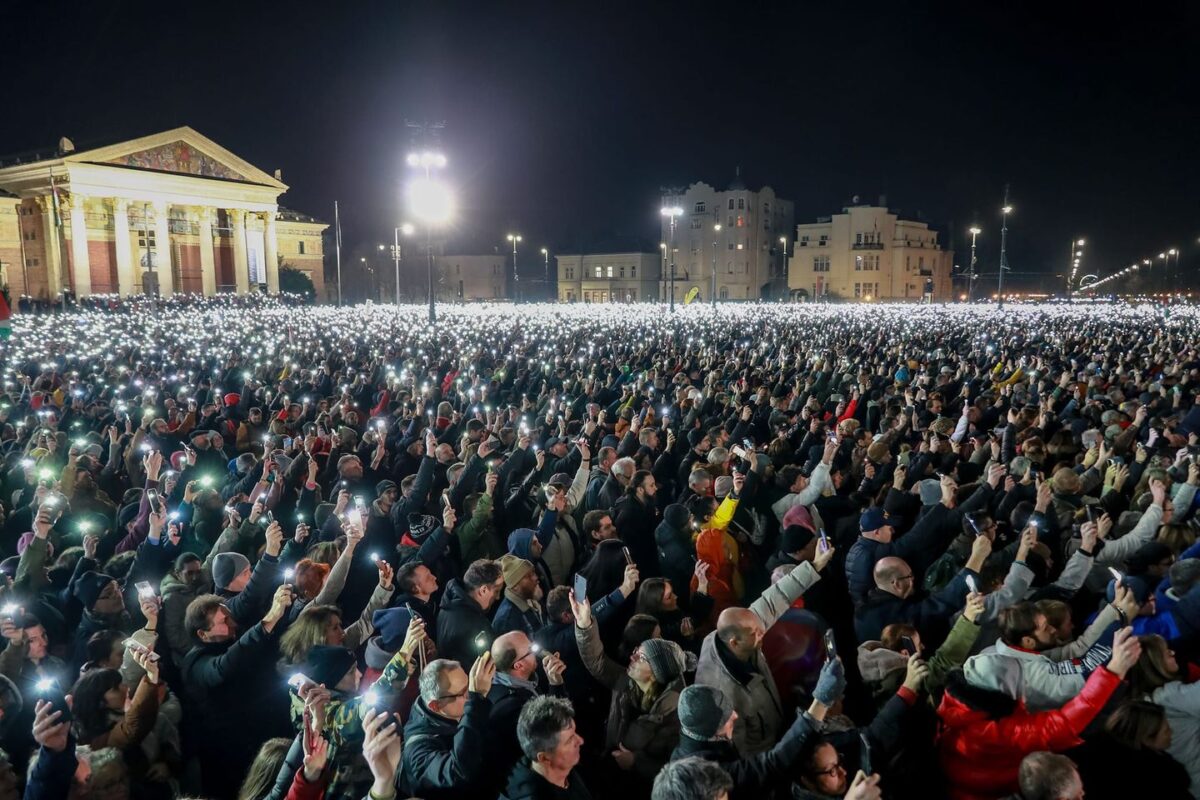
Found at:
[742, 632]
[508, 648]
[894, 575]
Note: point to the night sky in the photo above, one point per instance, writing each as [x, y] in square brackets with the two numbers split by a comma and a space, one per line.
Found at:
[564, 119]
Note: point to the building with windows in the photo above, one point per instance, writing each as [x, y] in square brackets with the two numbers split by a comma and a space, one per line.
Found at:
[170, 212]
[609, 277]
[868, 252]
[468, 278]
[743, 257]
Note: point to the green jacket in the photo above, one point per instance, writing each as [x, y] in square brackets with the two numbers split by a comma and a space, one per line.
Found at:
[477, 536]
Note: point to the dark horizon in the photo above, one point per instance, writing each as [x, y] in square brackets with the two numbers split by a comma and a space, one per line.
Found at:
[563, 123]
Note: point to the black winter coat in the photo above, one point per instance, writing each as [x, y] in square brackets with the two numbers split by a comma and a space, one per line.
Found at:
[525, 784]
[635, 524]
[443, 758]
[460, 620]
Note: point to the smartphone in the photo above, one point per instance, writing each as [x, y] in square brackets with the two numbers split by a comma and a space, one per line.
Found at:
[580, 588]
[134, 644]
[47, 689]
[830, 645]
[628, 556]
[864, 753]
[1090, 514]
[144, 589]
[481, 641]
[972, 585]
[823, 540]
[298, 679]
[1117, 576]
[153, 500]
[974, 527]
[906, 643]
[287, 443]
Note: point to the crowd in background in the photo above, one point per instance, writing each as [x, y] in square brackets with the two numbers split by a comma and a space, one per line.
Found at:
[263, 550]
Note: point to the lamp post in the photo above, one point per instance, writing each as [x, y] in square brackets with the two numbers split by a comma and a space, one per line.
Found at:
[431, 202]
[975, 231]
[514, 238]
[1174, 277]
[713, 299]
[663, 270]
[1076, 260]
[674, 212]
[1007, 209]
[546, 262]
[783, 244]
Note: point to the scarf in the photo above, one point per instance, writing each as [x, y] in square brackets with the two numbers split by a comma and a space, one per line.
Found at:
[513, 682]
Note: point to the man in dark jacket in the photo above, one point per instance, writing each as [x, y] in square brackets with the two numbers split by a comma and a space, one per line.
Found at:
[415, 586]
[246, 592]
[676, 553]
[234, 691]
[463, 628]
[636, 518]
[516, 683]
[893, 598]
[546, 733]
[444, 737]
[706, 719]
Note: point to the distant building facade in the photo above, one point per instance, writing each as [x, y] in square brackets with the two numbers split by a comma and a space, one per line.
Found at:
[746, 256]
[470, 278]
[165, 213]
[868, 252]
[609, 277]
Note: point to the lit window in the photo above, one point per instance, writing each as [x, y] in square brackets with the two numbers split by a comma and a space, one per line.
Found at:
[741, 246]
[610, 270]
[598, 272]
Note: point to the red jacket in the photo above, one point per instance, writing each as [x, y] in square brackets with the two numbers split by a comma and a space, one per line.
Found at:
[980, 757]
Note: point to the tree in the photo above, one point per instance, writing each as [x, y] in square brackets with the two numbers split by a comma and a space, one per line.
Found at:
[296, 282]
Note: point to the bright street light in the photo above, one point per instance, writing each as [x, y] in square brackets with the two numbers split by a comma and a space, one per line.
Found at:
[514, 238]
[974, 231]
[426, 159]
[430, 201]
[408, 229]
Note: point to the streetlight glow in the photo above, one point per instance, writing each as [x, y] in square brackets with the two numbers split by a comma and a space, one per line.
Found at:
[426, 159]
[974, 231]
[1080, 243]
[717, 227]
[672, 211]
[1007, 209]
[430, 200]
[408, 229]
[513, 237]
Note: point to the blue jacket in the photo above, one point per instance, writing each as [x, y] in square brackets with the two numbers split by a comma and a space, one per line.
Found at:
[52, 774]
[510, 618]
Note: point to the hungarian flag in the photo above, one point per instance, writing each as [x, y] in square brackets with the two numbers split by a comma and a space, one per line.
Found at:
[5, 318]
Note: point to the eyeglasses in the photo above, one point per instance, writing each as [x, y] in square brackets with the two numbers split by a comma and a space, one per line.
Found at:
[831, 771]
[455, 696]
[907, 577]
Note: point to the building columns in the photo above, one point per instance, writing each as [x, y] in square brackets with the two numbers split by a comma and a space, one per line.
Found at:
[241, 263]
[162, 250]
[81, 270]
[208, 270]
[124, 248]
[271, 252]
[53, 253]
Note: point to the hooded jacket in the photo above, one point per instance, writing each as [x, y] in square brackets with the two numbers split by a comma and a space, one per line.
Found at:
[980, 756]
[460, 620]
[676, 553]
[757, 701]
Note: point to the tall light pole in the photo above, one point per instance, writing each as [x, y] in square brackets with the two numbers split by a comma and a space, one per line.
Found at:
[663, 270]
[674, 212]
[783, 244]
[1174, 277]
[514, 238]
[1163, 280]
[546, 260]
[713, 299]
[1007, 209]
[431, 202]
[975, 231]
[1076, 260]
[398, 253]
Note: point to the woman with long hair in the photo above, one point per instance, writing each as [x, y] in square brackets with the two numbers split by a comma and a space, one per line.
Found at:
[1115, 763]
[657, 598]
[1158, 677]
[260, 778]
[316, 625]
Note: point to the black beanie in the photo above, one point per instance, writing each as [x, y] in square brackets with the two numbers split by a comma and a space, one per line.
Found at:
[327, 665]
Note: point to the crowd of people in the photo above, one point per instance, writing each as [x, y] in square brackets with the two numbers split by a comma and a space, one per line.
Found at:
[262, 550]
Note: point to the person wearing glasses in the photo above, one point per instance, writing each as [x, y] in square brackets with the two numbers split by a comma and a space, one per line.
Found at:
[516, 683]
[443, 739]
[894, 597]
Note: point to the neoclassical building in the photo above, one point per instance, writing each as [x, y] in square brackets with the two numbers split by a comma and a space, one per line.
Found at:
[170, 212]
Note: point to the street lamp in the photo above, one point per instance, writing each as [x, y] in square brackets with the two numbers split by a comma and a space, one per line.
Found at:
[1006, 209]
[975, 231]
[397, 253]
[514, 238]
[1174, 252]
[783, 244]
[1076, 260]
[546, 259]
[674, 212]
[431, 202]
[713, 299]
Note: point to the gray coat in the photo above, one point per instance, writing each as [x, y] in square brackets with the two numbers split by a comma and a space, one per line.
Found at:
[760, 711]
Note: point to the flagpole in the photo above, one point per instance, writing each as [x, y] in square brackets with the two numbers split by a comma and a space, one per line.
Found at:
[337, 238]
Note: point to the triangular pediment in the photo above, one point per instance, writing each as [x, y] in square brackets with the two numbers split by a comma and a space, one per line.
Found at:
[181, 151]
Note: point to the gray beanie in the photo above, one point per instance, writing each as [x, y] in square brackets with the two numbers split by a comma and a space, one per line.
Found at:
[931, 492]
[722, 486]
[702, 711]
[665, 659]
[227, 566]
[996, 672]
